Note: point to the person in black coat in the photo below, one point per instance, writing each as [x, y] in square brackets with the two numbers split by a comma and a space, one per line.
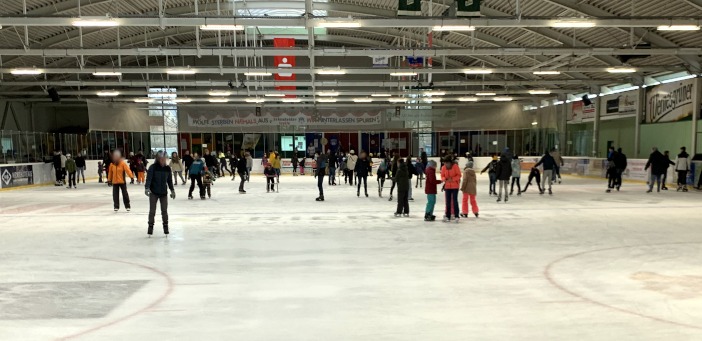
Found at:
[159, 180]
[294, 161]
[58, 170]
[106, 161]
[362, 169]
[403, 186]
[503, 172]
[666, 155]
[243, 170]
[549, 164]
[658, 165]
[80, 165]
[233, 161]
[187, 161]
[620, 164]
[412, 171]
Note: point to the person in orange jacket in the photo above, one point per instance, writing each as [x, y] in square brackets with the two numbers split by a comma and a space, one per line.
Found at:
[116, 177]
[451, 177]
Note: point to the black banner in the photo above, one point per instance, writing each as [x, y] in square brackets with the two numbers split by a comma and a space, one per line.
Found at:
[15, 176]
[468, 8]
[409, 7]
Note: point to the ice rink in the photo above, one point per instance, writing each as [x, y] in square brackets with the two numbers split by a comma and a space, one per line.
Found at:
[578, 265]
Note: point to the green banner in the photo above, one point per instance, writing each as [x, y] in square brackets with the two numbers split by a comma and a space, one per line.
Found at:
[468, 8]
[409, 7]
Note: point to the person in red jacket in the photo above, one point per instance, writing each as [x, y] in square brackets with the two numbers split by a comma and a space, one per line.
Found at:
[451, 176]
[430, 190]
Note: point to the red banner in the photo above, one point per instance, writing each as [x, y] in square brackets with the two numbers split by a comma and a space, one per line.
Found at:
[284, 62]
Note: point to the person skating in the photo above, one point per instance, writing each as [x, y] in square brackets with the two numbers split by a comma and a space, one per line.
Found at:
[132, 161]
[412, 171]
[393, 171]
[363, 168]
[116, 179]
[176, 166]
[682, 167]
[549, 164]
[382, 173]
[269, 172]
[611, 173]
[302, 165]
[208, 179]
[233, 160]
[249, 166]
[403, 186]
[451, 177]
[294, 161]
[321, 169]
[351, 165]
[141, 171]
[666, 154]
[490, 168]
[223, 164]
[58, 171]
[556, 154]
[80, 166]
[106, 161]
[534, 174]
[469, 187]
[276, 164]
[331, 166]
[210, 160]
[419, 167]
[63, 167]
[429, 189]
[197, 168]
[620, 164]
[658, 165]
[100, 171]
[516, 175]
[187, 161]
[243, 169]
[158, 183]
[503, 171]
[71, 168]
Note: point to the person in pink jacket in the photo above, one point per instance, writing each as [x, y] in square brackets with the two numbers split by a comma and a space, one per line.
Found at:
[451, 177]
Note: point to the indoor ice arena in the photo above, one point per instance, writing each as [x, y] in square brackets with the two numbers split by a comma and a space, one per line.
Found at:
[343, 170]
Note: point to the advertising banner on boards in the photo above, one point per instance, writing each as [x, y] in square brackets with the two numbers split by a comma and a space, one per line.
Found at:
[15, 176]
[670, 102]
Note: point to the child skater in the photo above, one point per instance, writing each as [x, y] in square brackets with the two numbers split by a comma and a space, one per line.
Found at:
[469, 189]
[100, 170]
[534, 174]
[430, 190]
[207, 180]
[270, 174]
[490, 168]
[451, 176]
[141, 171]
[302, 165]
[403, 184]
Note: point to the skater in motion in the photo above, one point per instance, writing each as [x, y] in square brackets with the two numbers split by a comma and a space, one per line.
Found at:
[430, 190]
[71, 168]
[403, 184]
[294, 162]
[187, 161]
[331, 169]
[611, 173]
[195, 174]
[620, 164]
[666, 154]
[382, 173]
[233, 160]
[100, 171]
[116, 178]
[159, 181]
[363, 168]
[269, 172]
[302, 165]
[276, 164]
[470, 191]
[451, 177]
[351, 165]
[516, 175]
[80, 167]
[242, 167]
[503, 171]
[490, 168]
[419, 168]
[682, 167]
[321, 169]
[208, 179]
[393, 172]
[249, 166]
[658, 165]
[58, 171]
[534, 174]
[223, 164]
[549, 163]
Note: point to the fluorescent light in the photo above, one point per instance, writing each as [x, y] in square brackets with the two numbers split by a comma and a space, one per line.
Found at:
[430, 100]
[255, 100]
[26, 72]
[187, 71]
[468, 99]
[381, 95]
[547, 72]
[144, 100]
[679, 28]
[274, 95]
[363, 100]
[534, 123]
[402, 74]
[106, 73]
[485, 94]
[256, 73]
[348, 24]
[454, 28]
[502, 99]
[573, 24]
[108, 93]
[326, 100]
[181, 100]
[221, 27]
[621, 70]
[219, 93]
[331, 72]
[558, 102]
[540, 92]
[101, 22]
[397, 100]
[328, 94]
[672, 80]
[218, 100]
[434, 93]
[477, 71]
[291, 100]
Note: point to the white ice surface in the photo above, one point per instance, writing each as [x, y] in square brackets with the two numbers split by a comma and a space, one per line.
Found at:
[579, 265]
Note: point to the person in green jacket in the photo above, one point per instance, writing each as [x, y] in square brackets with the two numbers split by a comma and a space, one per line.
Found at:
[71, 169]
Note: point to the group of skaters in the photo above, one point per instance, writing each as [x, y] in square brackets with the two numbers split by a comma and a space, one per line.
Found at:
[659, 163]
[67, 169]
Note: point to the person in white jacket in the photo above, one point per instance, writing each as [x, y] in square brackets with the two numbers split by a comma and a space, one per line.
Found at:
[682, 166]
[351, 165]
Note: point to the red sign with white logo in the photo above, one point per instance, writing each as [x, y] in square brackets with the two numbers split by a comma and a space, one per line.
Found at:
[282, 62]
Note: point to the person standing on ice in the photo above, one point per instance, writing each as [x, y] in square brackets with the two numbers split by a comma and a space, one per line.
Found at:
[430, 190]
[381, 173]
[658, 165]
[321, 169]
[242, 168]
[195, 174]
[116, 179]
[363, 167]
[620, 164]
[412, 171]
[393, 171]
[249, 166]
[294, 161]
[80, 163]
[666, 154]
[403, 185]
[549, 164]
[516, 175]
[71, 168]
[451, 177]
[351, 165]
[187, 161]
[682, 167]
[503, 171]
[159, 181]
[470, 191]
[490, 168]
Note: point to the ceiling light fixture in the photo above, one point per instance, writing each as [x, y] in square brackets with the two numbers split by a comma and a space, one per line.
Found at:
[326, 100]
[222, 27]
[502, 99]
[218, 100]
[107, 73]
[363, 100]
[381, 95]
[540, 92]
[19, 72]
[453, 28]
[468, 99]
[477, 71]
[402, 74]
[255, 100]
[181, 71]
[291, 100]
[108, 93]
[181, 100]
[220, 93]
[328, 93]
[397, 100]
[332, 72]
[257, 73]
[547, 72]
[95, 22]
[573, 24]
[621, 70]
[339, 24]
[143, 100]
[434, 93]
[485, 94]
[679, 28]
[274, 95]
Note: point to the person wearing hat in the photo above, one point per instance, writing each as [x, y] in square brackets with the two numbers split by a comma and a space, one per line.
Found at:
[71, 169]
[682, 166]
[351, 165]
[158, 183]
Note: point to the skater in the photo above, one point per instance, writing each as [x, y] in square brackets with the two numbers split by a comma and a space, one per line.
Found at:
[669, 162]
[419, 167]
[412, 171]
[116, 179]
[106, 160]
[63, 167]
[195, 174]
[208, 179]
[276, 164]
[503, 172]
[159, 181]
[382, 173]
[294, 161]
[490, 168]
[314, 165]
[533, 174]
[176, 166]
[249, 166]
[430, 190]
[80, 166]
[223, 165]
[210, 160]
[302, 165]
[658, 165]
[549, 163]
[331, 167]
[58, 171]
[100, 170]
[351, 165]
[187, 161]
[470, 191]
[242, 167]
[233, 160]
[321, 169]
[343, 167]
[269, 172]
[393, 171]
[132, 160]
[141, 170]
[559, 163]
[363, 167]
[451, 177]
[611, 173]
[516, 175]
[71, 168]
[403, 186]
[682, 167]
[620, 164]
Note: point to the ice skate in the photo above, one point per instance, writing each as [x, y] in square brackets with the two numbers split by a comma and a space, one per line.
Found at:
[679, 189]
[456, 220]
[358, 193]
[684, 189]
[609, 190]
[406, 215]
[649, 191]
[433, 217]
[618, 187]
[242, 192]
[397, 215]
[506, 199]
[446, 219]
[202, 197]
[366, 194]
[664, 188]
[116, 209]
[476, 214]
[499, 198]
[320, 198]
[390, 198]
[464, 215]
[550, 192]
[519, 193]
[190, 197]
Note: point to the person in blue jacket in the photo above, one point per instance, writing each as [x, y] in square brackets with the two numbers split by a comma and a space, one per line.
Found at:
[195, 172]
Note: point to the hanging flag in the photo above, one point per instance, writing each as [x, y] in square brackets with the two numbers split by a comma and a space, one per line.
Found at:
[468, 8]
[409, 7]
[284, 62]
[415, 61]
[381, 61]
